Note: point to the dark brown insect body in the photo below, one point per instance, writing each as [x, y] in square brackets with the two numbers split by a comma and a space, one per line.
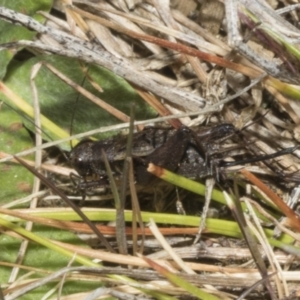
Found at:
[185, 151]
[196, 153]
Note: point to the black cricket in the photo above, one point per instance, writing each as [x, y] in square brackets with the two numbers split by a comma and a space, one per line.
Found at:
[192, 153]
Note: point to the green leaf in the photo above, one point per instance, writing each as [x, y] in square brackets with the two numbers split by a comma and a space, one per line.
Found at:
[12, 33]
[15, 181]
[57, 99]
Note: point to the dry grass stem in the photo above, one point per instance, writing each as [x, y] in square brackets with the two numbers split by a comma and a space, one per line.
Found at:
[195, 63]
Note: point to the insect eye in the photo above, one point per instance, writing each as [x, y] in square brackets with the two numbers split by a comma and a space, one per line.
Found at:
[79, 162]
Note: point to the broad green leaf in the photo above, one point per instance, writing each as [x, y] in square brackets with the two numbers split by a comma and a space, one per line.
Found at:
[12, 33]
[15, 180]
[57, 99]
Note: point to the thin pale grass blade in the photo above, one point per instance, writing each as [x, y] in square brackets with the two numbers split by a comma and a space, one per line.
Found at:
[294, 220]
[125, 177]
[128, 176]
[165, 245]
[210, 182]
[45, 242]
[136, 214]
[38, 162]
[178, 281]
[51, 186]
[236, 208]
[274, 266]
[46, 167]
[104, 292]
[120, 222]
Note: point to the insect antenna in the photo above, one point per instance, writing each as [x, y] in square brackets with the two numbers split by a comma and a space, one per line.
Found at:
[27, 118]
[74, 107]
[260, 157]
[254, 149]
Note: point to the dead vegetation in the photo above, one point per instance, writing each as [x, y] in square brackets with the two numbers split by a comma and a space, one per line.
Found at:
[207, 64]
